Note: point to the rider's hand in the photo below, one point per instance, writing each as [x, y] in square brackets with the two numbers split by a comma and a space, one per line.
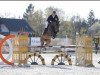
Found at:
[50, 22]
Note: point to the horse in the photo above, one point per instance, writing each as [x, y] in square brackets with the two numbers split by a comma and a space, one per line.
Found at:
[49, 32]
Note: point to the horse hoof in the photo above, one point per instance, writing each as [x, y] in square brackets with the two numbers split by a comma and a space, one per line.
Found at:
[46, 45]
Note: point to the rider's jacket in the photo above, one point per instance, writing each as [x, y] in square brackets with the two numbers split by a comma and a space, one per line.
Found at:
[52, 19]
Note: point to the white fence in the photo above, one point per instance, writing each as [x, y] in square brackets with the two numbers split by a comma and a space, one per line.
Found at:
[35, 41]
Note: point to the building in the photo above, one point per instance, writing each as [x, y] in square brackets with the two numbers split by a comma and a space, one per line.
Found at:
[13, 26]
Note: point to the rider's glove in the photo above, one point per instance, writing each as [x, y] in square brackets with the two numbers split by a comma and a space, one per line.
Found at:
[50, 21]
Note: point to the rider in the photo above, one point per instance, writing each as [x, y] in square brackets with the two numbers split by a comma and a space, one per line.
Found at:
[53, 18]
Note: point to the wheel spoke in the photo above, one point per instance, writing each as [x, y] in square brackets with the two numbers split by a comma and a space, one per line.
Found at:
[37, 59]
[34, 58]
[56, 62]
[63, 60]
[30, 61]
[58, 59]
[66, 62]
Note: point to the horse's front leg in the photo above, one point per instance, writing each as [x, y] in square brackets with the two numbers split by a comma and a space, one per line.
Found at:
[48, 42]
[42, 45]
[42, 41]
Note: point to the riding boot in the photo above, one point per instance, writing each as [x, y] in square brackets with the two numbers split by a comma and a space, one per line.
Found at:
[54, 35]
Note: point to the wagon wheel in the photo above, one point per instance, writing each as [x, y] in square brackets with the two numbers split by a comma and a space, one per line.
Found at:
[61, 59]
[35, 59]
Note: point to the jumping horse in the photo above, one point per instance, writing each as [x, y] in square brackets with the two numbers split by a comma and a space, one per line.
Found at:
[49, 32]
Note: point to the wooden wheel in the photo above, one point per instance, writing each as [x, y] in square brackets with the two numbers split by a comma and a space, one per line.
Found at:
[35, 59]
[61, 59]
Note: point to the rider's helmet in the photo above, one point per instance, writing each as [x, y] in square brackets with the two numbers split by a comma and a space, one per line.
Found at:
[54, 12]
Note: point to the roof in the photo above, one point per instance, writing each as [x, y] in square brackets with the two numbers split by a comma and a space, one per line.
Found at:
[15, 25]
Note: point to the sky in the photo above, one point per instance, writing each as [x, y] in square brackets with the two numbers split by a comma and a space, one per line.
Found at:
[82, 8]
